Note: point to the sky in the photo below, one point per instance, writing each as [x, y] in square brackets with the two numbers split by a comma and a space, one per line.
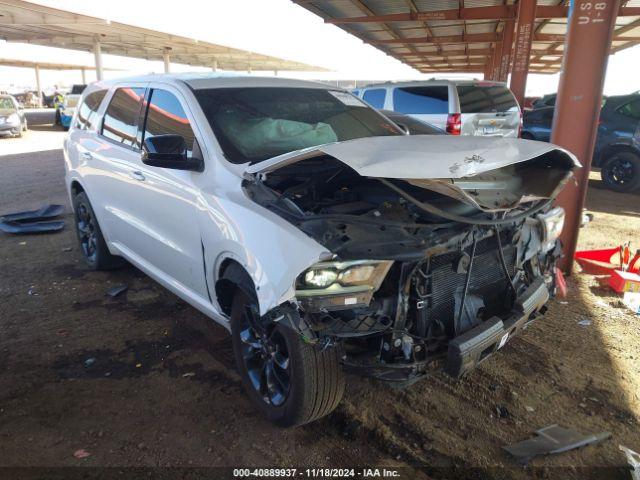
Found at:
[272, 27]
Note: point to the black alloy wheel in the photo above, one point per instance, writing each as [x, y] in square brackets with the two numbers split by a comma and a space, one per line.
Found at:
[86, 225]
[92, 243]
[621, 172]
[265, 357]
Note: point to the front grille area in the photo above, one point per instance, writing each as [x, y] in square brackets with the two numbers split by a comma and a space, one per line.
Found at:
[487, 280]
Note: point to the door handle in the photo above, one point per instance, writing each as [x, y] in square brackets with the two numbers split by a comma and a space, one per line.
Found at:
[137, 175]
[87, 155]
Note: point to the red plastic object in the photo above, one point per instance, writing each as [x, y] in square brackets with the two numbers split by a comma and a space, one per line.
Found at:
[561, 283]
[624, 281]
[598, 262]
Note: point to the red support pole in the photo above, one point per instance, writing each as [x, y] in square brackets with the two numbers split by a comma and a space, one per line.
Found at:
[488, 73]
[507, 49]
[578, 104]
[497, 61]
[524, 36]
[487, 68]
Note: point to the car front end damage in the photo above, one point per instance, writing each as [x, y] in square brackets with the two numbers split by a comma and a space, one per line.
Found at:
[428, 271]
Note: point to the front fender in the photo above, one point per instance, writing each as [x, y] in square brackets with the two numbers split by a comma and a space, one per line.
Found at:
[272, 251]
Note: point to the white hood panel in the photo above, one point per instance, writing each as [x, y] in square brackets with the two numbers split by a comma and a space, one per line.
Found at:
[420, 156]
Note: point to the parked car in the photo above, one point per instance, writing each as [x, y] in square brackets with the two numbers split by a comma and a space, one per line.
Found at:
[66, 109]
[12, 118]
[313, 229]
[548, 100]
[411, 125]
[460, 107]
[529, 102]
[536, 124]
[617, 148]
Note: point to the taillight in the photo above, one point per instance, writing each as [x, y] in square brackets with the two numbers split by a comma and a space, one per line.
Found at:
[454, 124]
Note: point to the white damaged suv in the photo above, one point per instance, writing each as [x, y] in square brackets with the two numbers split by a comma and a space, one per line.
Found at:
[314, 230]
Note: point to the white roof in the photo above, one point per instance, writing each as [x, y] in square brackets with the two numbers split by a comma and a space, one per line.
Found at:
[219, 80]
[27, 22]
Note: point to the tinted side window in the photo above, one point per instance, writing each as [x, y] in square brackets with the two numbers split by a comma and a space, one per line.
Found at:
[121, 118]
[375, 97]
[165, 116]
[421, 99]
[631, 109]
[88, 110]
[478, 99]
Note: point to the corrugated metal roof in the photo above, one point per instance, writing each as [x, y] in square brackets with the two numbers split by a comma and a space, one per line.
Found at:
[432, 54]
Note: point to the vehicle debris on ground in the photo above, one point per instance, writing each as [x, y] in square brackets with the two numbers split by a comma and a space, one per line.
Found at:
[552, 440]
[633, 459]
[33, 221]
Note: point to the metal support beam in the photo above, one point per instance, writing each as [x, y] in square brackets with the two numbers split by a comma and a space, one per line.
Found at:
[496, 61]
[38, 87]
[524, 36]
[97, 52]
[83, 71]
[487, 71]
[465, 38]
[214, 65]
[495, 12]
[579, 102]
[167, 61]
[507, 49]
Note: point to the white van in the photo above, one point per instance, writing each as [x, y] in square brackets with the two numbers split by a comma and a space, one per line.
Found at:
[461, 107]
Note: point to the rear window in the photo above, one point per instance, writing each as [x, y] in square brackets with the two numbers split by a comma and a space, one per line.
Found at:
[486, 99]
[121, 118]
[375, 97]
[423, 100]
[88, 109]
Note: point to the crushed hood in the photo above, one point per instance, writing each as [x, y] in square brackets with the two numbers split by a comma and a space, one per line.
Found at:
[484, 172]
[421, 156]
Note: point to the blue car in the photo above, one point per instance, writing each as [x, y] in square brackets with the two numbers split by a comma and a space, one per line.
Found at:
[617, 149]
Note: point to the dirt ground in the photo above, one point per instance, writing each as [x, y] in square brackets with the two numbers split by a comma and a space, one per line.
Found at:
[144, 380]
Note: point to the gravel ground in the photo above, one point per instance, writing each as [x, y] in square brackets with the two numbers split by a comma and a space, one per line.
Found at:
[162, 390]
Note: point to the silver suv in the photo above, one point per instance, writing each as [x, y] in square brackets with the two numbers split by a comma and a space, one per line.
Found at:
[461, 107]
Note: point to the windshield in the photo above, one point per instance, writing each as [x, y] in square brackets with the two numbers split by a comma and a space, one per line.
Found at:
[253, 124]
[6, 104]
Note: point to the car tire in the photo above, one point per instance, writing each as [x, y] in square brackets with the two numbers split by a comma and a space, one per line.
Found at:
[621, 172]
[92, 244]
[58, 121]
[306, 381]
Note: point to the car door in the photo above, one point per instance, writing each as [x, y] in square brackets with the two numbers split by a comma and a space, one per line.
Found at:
[108, 159]
[163, 202]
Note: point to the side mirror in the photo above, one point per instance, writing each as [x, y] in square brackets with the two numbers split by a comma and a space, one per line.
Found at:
[169, 151]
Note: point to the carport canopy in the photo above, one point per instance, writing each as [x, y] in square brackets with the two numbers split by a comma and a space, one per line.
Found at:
[27, 22]
[37, 66]
[463, 35]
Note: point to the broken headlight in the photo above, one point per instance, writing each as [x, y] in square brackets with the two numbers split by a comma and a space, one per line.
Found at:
[327, 277]
[552, 223]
